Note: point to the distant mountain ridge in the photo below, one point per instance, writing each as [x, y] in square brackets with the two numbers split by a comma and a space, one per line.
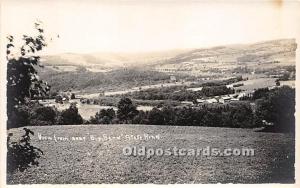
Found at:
[113, 71]
[281, 50]
[109, 60]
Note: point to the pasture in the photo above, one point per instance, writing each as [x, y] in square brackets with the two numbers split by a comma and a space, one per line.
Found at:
[102, 161]
[253, 84]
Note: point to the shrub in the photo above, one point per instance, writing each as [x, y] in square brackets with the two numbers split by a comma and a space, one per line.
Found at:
[156, 117]
[19, 117]
[21, 155]
[278, 108]
[42, 115]
[58, 99]
[260, 93]
[141, 118]
[103, 117]
[126, 110]
[242, 117]
[73, 96]
[70, 116]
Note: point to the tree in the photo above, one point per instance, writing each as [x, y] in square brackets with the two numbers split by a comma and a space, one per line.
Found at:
[71, 116]
[126, 110]
[156, 117]
[242, 116]
[103, 117]
[278, 108]
[73, 96]
[43, 115]
[23, 82]
[260, 93]
[58, 99]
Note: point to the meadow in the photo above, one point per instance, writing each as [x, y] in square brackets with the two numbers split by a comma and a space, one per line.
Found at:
[103, 161]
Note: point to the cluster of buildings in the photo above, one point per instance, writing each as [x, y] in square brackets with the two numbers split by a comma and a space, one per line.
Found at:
[220, 99]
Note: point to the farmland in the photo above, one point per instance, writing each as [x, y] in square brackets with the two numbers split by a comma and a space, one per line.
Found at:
[91, 73]
[103, 161]
[192, 98]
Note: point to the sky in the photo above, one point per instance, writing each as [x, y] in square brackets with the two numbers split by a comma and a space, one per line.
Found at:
[144, 26]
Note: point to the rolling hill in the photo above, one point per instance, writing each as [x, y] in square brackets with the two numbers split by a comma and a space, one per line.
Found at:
[109, 60]
[282, 51]
[122, 70]
[262, 55]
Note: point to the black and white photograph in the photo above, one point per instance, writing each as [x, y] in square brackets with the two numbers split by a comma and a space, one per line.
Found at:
[155, 92]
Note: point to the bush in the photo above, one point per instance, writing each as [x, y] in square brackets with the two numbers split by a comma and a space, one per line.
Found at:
[260, 93]
[141, 118]
[19, 117]
[42, 115]
[70, 116]
[73, 96]
[58, 99]
[156, 117]
[32, 114]
[103, 117]
[242, 117]
[278, 109]
[21, 155]
[126, 110]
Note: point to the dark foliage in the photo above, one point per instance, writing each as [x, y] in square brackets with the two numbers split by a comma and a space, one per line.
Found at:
[260, 93]
[43, 115]
[73, 96]
[86, 80]
[22, 80]
[21, 155]
[278, 108]
[105, 116]
[180, 93]
[126, 110]
[70, 116]
[58, 99]
[19, 117]
[237, 116]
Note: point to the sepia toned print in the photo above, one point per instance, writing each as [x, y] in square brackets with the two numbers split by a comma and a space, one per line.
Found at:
[161, 92]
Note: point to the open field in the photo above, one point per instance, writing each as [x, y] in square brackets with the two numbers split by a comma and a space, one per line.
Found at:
[252, 84]
[103, 161]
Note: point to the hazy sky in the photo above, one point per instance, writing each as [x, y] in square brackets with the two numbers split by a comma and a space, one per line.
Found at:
[133, 26]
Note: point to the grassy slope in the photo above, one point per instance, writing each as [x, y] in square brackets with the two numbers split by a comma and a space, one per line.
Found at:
[282, 50]
[91, 81]
[103, 162]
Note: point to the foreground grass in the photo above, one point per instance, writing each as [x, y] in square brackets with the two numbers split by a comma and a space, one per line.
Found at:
[103, 161]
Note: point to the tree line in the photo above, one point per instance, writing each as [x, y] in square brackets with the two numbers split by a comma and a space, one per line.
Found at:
[182, 94]
[273, 109]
